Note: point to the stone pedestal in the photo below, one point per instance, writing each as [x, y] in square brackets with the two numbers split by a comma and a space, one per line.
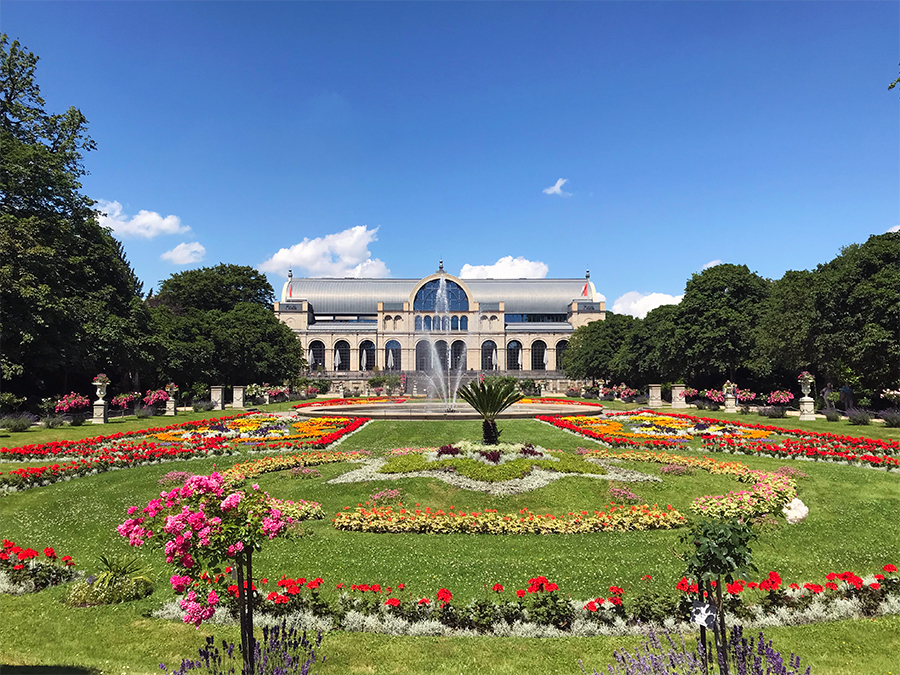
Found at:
[238, 399]
[807, 409]
[170, 407]
[217, 396]
[677, 398]
[266, 398]
[101, 412]
[655, 396]
[730, 404]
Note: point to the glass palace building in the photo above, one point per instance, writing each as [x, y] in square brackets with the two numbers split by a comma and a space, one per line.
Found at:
[355, 326]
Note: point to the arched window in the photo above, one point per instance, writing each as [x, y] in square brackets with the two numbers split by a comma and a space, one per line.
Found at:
[445, 323]
[514, 355]
[423, 356]
[454, 323]
[560, 350]
[464, 323]
[392, 356]
[316, 355]
[367, 355]
[426, 323]
[418, 323]
[489, 359]
[431, 297]
[538, 355]
[441, 356]
[458, 355]
[342, 355]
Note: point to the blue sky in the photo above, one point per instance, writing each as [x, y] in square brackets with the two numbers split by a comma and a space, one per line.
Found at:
[373, 139]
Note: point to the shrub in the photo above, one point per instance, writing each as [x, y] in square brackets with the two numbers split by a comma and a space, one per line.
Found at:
[593, 392]
[175, 478]
[201, 406]
[653, 604]
[859, 417]
[17, 423]
[676, 470]
[390, 495]
[891, 418]
[832, 415]
[53, 421]
[27, 569]
[624, 495]
[773, 411]
[304, 472]
[573, 393]
[142, 412]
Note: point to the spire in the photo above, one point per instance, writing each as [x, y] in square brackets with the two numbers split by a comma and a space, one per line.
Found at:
[440, 266]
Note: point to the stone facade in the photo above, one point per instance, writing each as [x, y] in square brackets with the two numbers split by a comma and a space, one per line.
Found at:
[352, 327]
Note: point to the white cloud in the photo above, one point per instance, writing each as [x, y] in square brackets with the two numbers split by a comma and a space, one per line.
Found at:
[557, 189]
[146, 224]
[895, 228]
[185, 254]
[506, 268]
[712, 263]
[640, 304]
[344, 254]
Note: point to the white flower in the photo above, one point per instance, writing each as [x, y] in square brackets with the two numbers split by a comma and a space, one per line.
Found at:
[795, 511]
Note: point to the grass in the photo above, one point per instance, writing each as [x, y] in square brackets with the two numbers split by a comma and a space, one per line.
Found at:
[852, 526]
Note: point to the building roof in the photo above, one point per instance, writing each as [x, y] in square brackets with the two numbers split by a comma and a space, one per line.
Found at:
[361, 296]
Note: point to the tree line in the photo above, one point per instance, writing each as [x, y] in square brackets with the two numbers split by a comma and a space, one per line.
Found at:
[840, 322]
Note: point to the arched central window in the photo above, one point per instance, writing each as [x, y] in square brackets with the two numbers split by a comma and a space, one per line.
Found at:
[392, 353]
[430, 297]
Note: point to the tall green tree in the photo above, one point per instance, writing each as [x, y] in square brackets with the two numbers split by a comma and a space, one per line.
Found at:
[786, 329]
[647, 353]
[714, 334]
[216, 288]
[69, 300]
[857, 315]
[216, 326]
[592, 349]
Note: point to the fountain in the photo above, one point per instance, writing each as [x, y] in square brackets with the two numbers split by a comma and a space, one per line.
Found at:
[443, 378]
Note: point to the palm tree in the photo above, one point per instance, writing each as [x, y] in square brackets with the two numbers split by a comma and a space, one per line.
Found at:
[489, 400]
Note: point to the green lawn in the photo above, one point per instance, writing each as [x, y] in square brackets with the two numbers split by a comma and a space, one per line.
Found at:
[852, 526]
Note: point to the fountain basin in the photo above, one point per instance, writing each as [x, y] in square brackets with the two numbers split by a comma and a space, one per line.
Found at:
[430, 409]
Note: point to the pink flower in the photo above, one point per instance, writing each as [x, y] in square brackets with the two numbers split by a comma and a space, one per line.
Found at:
[179, 584]
[231, 501]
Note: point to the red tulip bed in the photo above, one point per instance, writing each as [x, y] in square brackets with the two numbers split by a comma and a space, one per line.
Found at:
[799, 444]
[125, 450]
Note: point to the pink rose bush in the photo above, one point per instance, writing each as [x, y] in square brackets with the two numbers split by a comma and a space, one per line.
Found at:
[202, 526]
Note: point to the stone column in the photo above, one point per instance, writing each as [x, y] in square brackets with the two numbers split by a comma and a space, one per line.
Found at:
[655, 396]
[238, 401]
[807, 409]
[101, 412]
[730, 403]
[217, 396]
[677, 398]
[170, 407]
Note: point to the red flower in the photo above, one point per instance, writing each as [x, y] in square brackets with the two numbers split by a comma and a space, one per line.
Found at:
[831, 586]
[340, 586]
[683, 585]
[880, 577]
[444, 595]
[498, 588]
[591, 606]
[18, 567]
[400, 587]
[616, 600]
[889, 568]
[392, 602]
[424, 601]
[49, 552]
[615, 590]
[520, 593]
[272, 595]
[875, 586]
[375, 588]
[646, 577]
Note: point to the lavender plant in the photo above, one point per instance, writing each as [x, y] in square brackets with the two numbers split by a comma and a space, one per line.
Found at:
[745, 656]
[282, 651]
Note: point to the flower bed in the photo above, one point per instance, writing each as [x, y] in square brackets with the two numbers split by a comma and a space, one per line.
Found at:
[835, 449]
[541, 609]
[28, 572]
[769, 491]
[349, 401]
[490, 464]
[649, 429]
[257, 467]
[617, 518]
[259, 429]
[181, 441]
